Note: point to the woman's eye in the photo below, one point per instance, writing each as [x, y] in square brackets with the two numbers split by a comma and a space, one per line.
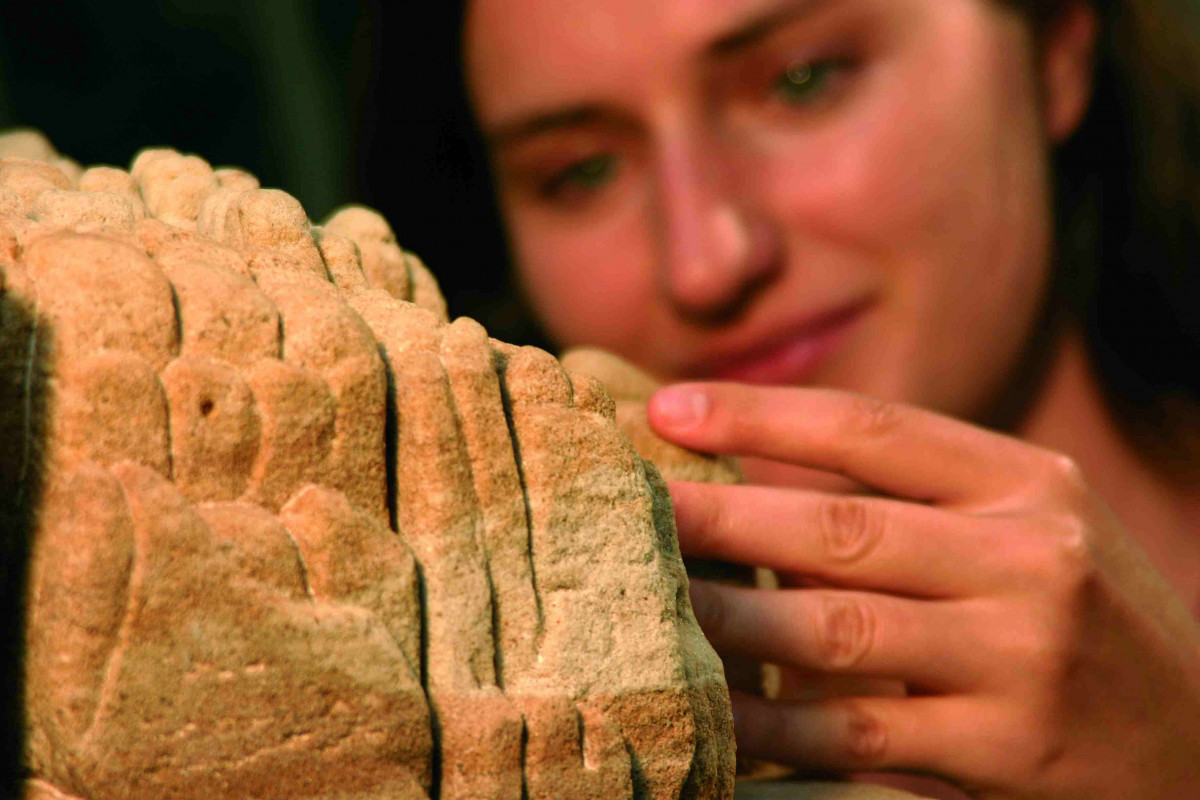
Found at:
[804, 82]
[586, 175]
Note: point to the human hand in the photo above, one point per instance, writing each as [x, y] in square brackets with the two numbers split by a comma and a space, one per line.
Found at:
[1044, 656]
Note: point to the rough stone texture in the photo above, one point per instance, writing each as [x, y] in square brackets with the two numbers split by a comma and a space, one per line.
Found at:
[630, 389]
[296, 535]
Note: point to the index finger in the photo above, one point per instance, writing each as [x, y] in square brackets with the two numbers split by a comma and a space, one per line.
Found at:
[867, 543]
[901, 450]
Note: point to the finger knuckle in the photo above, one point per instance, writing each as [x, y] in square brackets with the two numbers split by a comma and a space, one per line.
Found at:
[1065, 575]
[849, 528]
[1069, 555]
[866, 736]
[873, 418]
[1052, 645]
[1066, 479]
[845, 632]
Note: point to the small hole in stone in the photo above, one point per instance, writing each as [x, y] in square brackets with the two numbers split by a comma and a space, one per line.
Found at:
[206, 407]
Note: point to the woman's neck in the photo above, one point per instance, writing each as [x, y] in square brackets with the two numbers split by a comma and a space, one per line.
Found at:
[1158, 502]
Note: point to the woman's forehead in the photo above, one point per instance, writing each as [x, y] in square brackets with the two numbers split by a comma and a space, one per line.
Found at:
[529, 53]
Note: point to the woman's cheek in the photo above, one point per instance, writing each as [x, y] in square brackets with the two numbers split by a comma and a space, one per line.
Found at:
[588, 283]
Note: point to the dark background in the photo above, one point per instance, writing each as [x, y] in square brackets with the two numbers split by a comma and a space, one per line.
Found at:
[335, 101]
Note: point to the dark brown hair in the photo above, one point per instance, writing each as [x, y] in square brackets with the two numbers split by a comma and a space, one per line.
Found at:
[1128, 208]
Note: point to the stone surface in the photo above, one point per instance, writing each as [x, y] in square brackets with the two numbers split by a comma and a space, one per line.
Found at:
[631, 388]
[296, 535]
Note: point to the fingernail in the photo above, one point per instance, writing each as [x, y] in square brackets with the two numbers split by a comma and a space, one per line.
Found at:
[680, 406]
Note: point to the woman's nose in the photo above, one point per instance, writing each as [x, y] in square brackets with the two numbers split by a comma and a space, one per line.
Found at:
[716, 253]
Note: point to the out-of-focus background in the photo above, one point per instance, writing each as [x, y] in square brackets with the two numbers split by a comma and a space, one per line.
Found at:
[335, 101]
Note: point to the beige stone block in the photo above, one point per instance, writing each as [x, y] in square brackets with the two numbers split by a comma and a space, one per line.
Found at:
[30, 178]
[26, 143]
[573, 753]
[223, 315]
[383, 261]
[85, 211]
[624, 381]
[208, 650]
[319, 330]
[174, 186]
[609, 593]
[481, 745]
[112, 180]
[342, 260]
[99, 294]
[111, 407]
[171, 254]
[268, 264]
[439, 517]
[358, 458]
[154, 235]
[591, 395]
[82, 566]
[215, 429]
[272, 269]
[263, 221]
[260, 546]
[69, 167]
[504, 525]
[40, 790]
[349, 557]
[399, 327]
[218, 217]
[297, 412]
[631, 388]
[325, 336]
[10, 203]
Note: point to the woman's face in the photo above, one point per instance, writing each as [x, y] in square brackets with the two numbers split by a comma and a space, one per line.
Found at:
[851, 193]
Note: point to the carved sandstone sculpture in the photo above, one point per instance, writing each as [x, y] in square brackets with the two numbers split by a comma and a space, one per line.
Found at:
[295, 534]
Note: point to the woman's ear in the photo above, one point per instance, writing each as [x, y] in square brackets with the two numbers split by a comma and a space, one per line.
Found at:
[1068, 63]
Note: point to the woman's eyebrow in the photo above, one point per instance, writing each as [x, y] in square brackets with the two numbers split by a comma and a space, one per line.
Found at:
[509, 133]
[506, 134]
[749, 33]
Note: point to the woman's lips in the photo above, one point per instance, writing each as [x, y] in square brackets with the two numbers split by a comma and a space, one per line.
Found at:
[792, 358]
